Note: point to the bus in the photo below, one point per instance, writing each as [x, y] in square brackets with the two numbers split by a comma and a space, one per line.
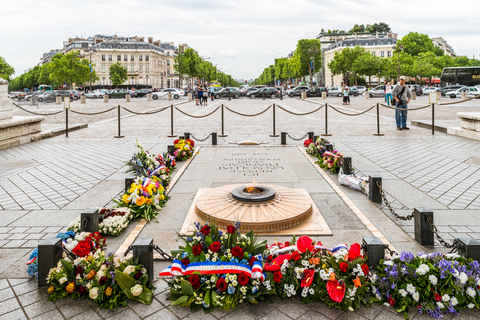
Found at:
[45, 87]
[466, 76]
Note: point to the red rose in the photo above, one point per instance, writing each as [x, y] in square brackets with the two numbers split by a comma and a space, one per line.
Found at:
[237, 252]
[221, 284]
[175, 142]
[391, 301]
[79, 270]
[243, 279]
[102, 281]
[251, 261]
[231, 229]
[277, 276]
[215, 247]
[365, 269]
[343, 266]
[185, 261]
[81, 289]
[138, 275]
[308, 279]
[437, 297]
[194, 281]
[196, 250]
[296, 255]
[354, 252]
[307, 142]
[205, 230]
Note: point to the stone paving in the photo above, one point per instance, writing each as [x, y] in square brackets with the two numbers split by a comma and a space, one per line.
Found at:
[46, 184]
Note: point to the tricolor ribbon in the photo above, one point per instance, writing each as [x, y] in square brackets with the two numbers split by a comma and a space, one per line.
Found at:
[157, 169]
[294, 248]
[327, 153]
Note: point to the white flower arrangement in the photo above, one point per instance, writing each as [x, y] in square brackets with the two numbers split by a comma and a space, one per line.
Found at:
[110, 226]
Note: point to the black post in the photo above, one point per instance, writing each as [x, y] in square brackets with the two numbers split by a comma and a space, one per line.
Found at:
[374, 250]
[49, 253]
[128, 182]
[263, 94]
[119, 135]
[315, 138]
[329, 147]
[283, 138]
[374, 190]
[469, 248]
[171, 123]
[423, 232]
[170, 150]
[433, 118]
[326, 121]
[89, 220]
[347, 165]
[214, 138]
[66, 122]
[311, 135]
[378, 121]
[187, 135]
[281, 95]
[223, 124]
[274, 134]
[143, 251]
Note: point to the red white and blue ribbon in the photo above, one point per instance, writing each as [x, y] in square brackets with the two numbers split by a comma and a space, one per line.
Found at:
[318, 247]
[157, 169]
[146, 182]
[207, 268]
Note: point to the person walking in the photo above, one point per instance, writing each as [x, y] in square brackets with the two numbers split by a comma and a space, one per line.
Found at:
[385, 89]
[388, 92]
[346, 98]
[205, 95]
[402, 95]
[200, 93]
[212, 92]
[195, 92]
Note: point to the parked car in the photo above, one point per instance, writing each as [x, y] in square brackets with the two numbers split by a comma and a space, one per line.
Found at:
[361, 89]
[334, 91]
[117, 93]
[76, 94]
[228, 92]
[94, 94]
[296, 91]
[247, 90]
[176, 93]
[143, 92]
[133, 93]
[267, 92]
[353, 91]
[316, 91]
[416, 88]
[64, 94]
[454, 87]
[472, 92]
[376, 92]
[47, 96]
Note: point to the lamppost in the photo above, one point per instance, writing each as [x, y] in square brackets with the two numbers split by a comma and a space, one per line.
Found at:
[146, 80]
[91, 49]
[313, 51]
[398, 48]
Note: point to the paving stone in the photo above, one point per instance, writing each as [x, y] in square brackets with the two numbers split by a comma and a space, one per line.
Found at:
[16, 282]
[145, 310]
[292, 308]
[50, 315]
[124, 314]
[74, 307]
[14, 315]
[19, 230]
[4, 236]
[5, 229]
[277, 315]
[32, 297]
[6, 294]
[14, 244]
[34, 236]
[28, 286]
[162, 314]
[17, 236]
[38, 308]
[4, 284]
[31, 244]
[9, 305]
[3, 242]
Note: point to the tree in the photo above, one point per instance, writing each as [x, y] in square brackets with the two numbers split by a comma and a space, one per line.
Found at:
[68, 69]
[308, 50]
[367, 64]
[6, 70]
[118, 73]
[357, 28]
[344, 60]
[380, 27]
[415, 43]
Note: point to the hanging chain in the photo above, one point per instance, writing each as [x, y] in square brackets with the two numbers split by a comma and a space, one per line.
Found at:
[130, 248]
[164, 255]
[387, 203]
[200, 140]
[69, 253]
[454, 246]
[390, 251]
[293, 138]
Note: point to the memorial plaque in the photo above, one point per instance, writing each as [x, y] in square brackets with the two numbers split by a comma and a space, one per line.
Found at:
[247, 164]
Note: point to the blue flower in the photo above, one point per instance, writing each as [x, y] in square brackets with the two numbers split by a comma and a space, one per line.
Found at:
[220, 233]
[32, 269]
[231, 289]
[184, 255]
[254, 289]
[34, 253]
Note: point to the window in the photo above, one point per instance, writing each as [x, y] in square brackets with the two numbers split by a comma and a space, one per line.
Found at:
[140, 58]
[168, 62]
[104, 68]
[103, 57]
[147, 68]
[132, 58]
[109, 57]
[132, 68]
[147, 58]
[119, 58]
[389, 53]
[168, 53]
[125, 58]
[133, 80]
[382, 54]
[373, 52]
[168, 72]
[140, 80]
[140, 68]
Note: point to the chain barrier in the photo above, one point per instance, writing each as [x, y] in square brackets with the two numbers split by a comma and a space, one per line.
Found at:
[145, 113]
[38, 114]
[455, 245]
[164, 255]
[200, 139]
[409, 109]
[247, 115]
[390, 251]
[300, 114]
[297, 139]
[387, 203]
[351, 114]
[448, 103]
[93, 113]
[130, 248]
[69, 253]
[197, 117]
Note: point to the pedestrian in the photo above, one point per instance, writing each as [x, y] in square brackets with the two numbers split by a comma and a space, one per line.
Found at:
[384, 89]
[200, 94]
[346, 98]
[212, 92]
[195, 92]
[402, 95]
[205, 95]
[388, 93]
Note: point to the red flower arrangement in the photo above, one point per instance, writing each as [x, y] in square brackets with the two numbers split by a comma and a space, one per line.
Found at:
[215, 246]
[196, 250]
[307, 142]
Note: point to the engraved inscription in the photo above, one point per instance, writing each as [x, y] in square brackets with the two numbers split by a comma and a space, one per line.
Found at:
[251, 166]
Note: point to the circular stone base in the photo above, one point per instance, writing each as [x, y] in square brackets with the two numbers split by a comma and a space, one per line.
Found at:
[287, 209]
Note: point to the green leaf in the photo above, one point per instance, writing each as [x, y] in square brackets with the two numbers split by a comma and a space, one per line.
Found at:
[214, 298]
[225, 259]
[207, 297]
[208, 241]
[126, 283]
[180, 301]
[67, 266]
[187, 288]
[177, 252]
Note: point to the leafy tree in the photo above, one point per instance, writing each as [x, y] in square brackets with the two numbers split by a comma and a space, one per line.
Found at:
[426, 65]
[68, 69]
[118, 73]
[380, 27]
[6, 70]
[415, 43]
[344, 60]
[357, 28]
[308, 50]
[462, 62]
[367, 64]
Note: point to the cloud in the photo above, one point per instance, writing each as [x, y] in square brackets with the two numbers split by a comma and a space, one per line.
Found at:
[229, 53]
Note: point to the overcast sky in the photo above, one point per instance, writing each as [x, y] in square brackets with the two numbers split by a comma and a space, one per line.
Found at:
[241, 37]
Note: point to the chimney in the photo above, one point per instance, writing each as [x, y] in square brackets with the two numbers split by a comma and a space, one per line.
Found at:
[115, 38]
[142, 39]
[157, 43]
[150, 40]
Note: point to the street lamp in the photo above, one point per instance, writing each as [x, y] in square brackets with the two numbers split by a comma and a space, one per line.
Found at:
[313, 51]
[146, 80]
[91, 49]
[398, 48]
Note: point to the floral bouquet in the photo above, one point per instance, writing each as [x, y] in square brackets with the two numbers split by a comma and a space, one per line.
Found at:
[144, 164]
[183, 149]
[169, 161]
[144, 198]
[307, 142]
[216, 269]
[338, 277]
[106, 280]
[317, 148]
[435, 284]
[331, 161]
[112, 222]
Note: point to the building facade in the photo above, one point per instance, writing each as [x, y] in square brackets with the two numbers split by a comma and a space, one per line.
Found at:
[442, 44]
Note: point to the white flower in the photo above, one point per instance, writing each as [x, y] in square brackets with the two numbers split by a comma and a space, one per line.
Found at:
[451, 256]
[478, 282]
[463, 278]
[93, 293]
[137, 290]
[433, 280]
[446, 298]
[470, 306]
[62, 280]
[388, 263]
[144, 270]
[78, 277]
[129, 269]
[403, 292]
[422, 269]
[471, 292]
[416, 296]
[411, 288]
[311, 291]
[439, 304]
[454, 301]
[234, 283]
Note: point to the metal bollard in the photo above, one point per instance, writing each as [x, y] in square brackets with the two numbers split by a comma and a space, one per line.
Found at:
[311, 136]
[170, 150]
[143, 251]
[315, 138]
[128, 182]
[423, 232]
[373, 190]
[89, 220]
[469, 248]
[329, 147]
[49, 253]
[187, 135]
[374, 250]
[214, 138]
[283, 138]
[347, 165]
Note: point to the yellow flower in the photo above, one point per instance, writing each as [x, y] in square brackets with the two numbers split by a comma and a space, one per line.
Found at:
[148, 201]
[132, 188]
[162, 197]
[160, 187]
[51, 289]
[323, 266]
[141, 201]
[125, 198]
[70, 287]
[108, 291]
[90, 275]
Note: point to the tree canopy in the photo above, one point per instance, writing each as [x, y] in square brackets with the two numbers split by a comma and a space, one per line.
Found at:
[6, 70]
[118, 73]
